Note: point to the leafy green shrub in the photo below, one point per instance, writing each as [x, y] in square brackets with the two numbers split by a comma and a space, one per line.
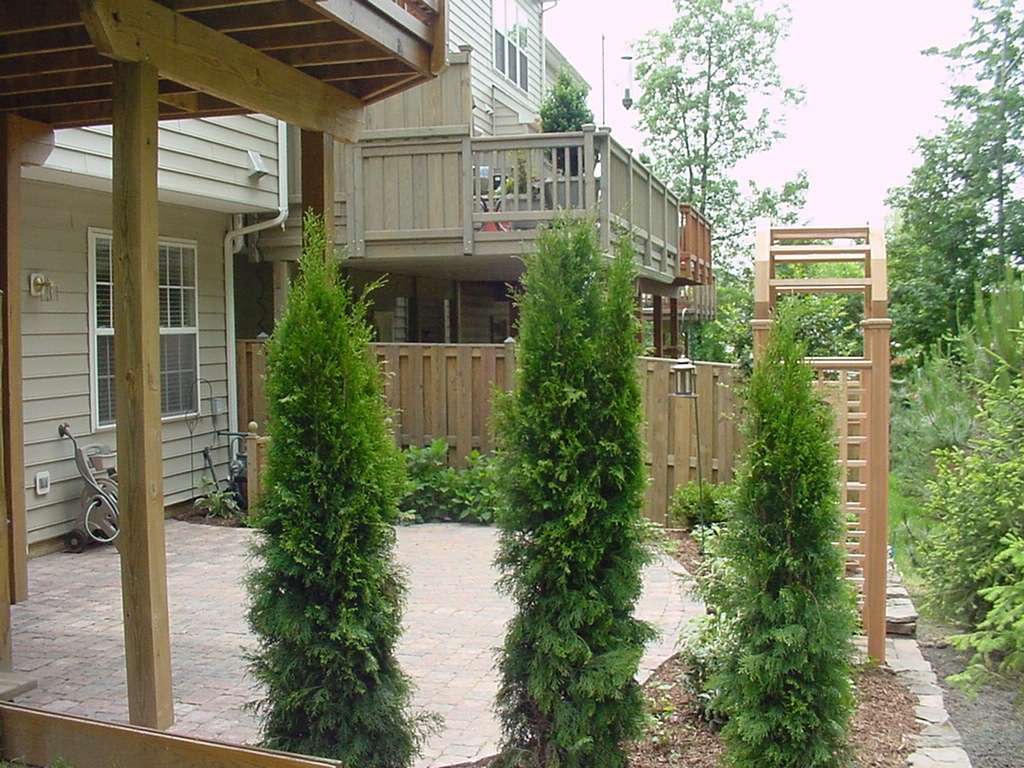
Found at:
[785, 680]
[691, 506]
[572, 534]
[998, 642]
[438, 492]
[326, 595]
[430, 485]
[974, 502]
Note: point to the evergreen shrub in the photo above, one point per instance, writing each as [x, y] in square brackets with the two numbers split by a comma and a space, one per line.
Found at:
[326, 594]
[572, 540]
[691, 506]
[786, 611]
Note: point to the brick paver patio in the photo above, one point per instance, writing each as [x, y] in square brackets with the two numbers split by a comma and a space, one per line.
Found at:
[68, 634]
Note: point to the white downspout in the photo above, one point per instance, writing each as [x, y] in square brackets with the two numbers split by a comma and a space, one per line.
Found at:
[230, 239]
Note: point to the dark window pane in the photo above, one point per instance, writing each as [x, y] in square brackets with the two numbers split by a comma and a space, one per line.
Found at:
[105, 378]
[178, 374]
[499, 51]
[524, 72]
[512, 60]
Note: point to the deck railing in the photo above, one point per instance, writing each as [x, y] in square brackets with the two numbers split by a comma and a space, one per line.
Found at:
[445, 391]
[462, 195]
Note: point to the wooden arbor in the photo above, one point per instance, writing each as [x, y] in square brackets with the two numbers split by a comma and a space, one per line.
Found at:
[858, 388]
[312, 63]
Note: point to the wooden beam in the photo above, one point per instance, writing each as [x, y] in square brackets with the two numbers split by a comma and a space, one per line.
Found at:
[411, 42]
[317, 157]
[35, 737]
[137, 396]
[673, 322]
[190, 53]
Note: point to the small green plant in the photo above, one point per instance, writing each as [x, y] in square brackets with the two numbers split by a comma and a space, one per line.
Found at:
[692, 506]
[998, 641]
[221, 503]
[438, 492]
[572, 542]
[430, 484]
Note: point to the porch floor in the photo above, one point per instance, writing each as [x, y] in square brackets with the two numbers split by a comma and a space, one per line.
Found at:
[68, 634]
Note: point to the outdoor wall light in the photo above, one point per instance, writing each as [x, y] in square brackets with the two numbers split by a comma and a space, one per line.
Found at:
[684, 378]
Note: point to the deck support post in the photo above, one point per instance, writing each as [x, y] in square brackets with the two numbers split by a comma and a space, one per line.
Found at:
[673, 325]
[318, 179]
[14, 538]
[282, 286]
[658, 317]
[137, 393]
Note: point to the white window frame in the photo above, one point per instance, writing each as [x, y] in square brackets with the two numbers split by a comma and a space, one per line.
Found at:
[522, 50]
[95, 234]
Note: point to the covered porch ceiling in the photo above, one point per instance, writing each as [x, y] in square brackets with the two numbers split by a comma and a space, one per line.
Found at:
[56, 68]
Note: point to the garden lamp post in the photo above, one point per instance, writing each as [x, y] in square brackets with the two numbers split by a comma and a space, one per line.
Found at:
[684, 384]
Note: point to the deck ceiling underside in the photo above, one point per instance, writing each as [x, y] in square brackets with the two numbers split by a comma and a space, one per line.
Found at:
[51, 72]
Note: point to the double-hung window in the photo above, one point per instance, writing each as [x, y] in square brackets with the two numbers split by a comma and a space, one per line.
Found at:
[511, 38]
[179, 328]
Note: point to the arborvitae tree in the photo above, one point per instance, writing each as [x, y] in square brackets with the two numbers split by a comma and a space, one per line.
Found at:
[326, 595]
[572, 543]
[786, 686]
[565, 106]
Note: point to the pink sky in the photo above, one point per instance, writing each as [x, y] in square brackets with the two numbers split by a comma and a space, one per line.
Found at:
[869, 91]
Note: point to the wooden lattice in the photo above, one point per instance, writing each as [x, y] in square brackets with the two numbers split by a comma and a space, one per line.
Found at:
[857, 387]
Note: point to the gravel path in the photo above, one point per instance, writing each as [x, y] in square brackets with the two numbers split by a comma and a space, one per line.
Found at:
[991, 725]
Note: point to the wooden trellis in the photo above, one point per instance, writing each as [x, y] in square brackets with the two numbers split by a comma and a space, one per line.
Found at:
[858, 388]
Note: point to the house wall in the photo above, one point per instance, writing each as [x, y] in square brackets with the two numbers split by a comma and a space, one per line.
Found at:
[55, 337]
[471, 22]
[202, 162]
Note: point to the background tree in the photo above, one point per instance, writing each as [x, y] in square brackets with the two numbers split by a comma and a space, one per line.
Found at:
[959, 220]
[565, 106]
[711, 97]
[785, 682]
[572, 534]
[326, 596]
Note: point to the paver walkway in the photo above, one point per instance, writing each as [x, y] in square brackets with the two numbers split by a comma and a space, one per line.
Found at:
[69, 633]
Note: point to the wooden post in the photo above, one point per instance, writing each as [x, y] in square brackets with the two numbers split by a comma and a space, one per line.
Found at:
[15, 541]
[468, 182]
[762, 286]
[589, 161]
[137, 393]
[282, 286]
[658, 316]
[673, 325]
[5, 581]
[318, 179]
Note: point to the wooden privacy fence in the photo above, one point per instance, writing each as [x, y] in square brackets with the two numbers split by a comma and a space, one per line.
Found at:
[446, 391]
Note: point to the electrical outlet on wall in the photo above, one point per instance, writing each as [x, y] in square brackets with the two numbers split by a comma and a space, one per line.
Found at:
[42, 483]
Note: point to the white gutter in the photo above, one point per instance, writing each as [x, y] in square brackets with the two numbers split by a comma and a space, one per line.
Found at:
[230, 239]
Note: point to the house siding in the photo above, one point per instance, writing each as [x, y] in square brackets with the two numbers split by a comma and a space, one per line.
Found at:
[55, 336]
[201, 161]
[471, 22]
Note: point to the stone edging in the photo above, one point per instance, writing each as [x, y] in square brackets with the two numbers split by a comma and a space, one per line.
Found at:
[938, 745]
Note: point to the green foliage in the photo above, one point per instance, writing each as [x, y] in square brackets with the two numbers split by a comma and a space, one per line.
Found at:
[998, 642]
[712, 96]
[975, 501]
[326, 595]
[991, 346]
[572, 534]
[218, 502]
[565, 107]
[436, 491]
[959, 220]
[785, 683]
[933, 409]
[692, 506]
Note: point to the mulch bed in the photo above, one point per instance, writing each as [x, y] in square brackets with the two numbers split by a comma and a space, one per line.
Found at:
[679, 736]
[190, 514]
